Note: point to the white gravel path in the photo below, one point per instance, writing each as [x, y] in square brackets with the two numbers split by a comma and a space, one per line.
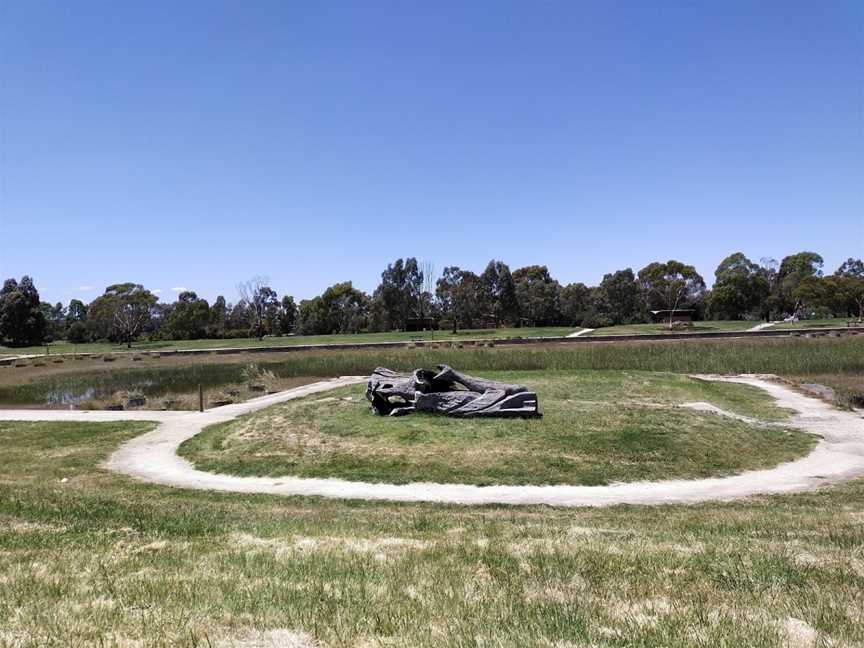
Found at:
[761, 327]
[580, 333]
[152, 457]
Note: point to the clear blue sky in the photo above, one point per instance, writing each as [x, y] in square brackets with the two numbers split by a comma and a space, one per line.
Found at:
[196, 144]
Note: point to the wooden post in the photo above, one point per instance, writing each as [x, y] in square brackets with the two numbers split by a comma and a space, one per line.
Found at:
[200, 398]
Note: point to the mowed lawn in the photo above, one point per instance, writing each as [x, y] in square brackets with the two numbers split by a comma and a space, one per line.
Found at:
[598, 427]
[708, 326]
[103, 560]
[837, 322]
[292, 340]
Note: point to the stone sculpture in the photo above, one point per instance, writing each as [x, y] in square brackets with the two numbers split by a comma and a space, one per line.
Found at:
[447, 392]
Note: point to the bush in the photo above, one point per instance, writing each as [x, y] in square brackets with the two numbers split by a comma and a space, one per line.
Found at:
[77, 333]
[597, 320]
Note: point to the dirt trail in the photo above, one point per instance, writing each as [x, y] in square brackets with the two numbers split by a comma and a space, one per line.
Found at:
[152, 457]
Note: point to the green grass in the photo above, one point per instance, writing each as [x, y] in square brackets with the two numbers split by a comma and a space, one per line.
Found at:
[842, 358]
[103, 560]
[359, 338]
[838, 322]
[597, 428]
[698, 327]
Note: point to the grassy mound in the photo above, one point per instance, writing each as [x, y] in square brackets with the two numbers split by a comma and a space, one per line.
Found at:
[598, 427]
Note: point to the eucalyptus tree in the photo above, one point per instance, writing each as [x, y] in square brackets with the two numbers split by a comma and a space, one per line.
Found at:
[798, 281]
[259, 300]
[399, 293]
[22, 322]
[122, 313]
[671, 286]
[459, 294]
[538, 295]
[740, 289]
[499, 293]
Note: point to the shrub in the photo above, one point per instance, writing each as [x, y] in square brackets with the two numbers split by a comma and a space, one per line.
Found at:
[78, 333]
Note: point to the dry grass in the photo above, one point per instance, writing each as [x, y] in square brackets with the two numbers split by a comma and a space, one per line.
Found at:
[598, 427]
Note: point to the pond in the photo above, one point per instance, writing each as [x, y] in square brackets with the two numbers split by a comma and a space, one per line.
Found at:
[99, 388]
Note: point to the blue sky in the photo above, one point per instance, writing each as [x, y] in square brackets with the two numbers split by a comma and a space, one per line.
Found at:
[196, 144]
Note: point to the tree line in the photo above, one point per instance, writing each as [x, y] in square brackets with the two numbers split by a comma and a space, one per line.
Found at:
[412, 296]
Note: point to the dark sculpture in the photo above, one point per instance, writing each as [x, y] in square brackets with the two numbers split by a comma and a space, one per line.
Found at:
[447, 392]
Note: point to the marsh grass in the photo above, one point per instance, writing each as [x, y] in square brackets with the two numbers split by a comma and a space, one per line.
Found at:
[291, 340]
[103, 560]
[597, 427]
[707, 326]
[840, 357]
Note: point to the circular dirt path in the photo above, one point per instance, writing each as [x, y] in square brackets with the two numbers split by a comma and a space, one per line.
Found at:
[152, 457]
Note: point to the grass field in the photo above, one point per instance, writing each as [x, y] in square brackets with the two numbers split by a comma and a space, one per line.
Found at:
[103, 560]
[815, 324]
[598, 427]
[698, 327]
[63, 347]
[837, 362]
[292, 340]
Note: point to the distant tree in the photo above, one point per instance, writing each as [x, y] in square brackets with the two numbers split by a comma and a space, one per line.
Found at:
[218, 318]
[851, 268]
[617, 300]
[847, 287]
[740, 289]
[22, 322]
[122, 313]
[399, 292]
[189, 317]
[538, 295]
[77, 332]
[55, 318]
[671, 286]
[459, 295]
[797, 281]
[131, 309]
[339, 309]
[287, 315]
[238, 317]
[499, 293]
[427, 291]
[77, 312]
[259, 299]
[575, 303]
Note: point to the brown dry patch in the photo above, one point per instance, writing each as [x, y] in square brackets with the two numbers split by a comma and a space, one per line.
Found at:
[379, 547]
[799, 634]
[275, 638]
[643, 613]
[24, 527]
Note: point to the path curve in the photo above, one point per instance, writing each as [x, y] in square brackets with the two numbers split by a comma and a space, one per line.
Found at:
[152, 457]
[762, 327]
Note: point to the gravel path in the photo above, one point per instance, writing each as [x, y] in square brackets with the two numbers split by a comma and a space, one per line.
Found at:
[581, 332]
[761, 327]
[152, 457]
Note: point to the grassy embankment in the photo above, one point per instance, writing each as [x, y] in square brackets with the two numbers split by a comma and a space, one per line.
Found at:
[63, 347]
[836, 362]
[663, 329]
[103, 560]
[840, 322]
[598, 427]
